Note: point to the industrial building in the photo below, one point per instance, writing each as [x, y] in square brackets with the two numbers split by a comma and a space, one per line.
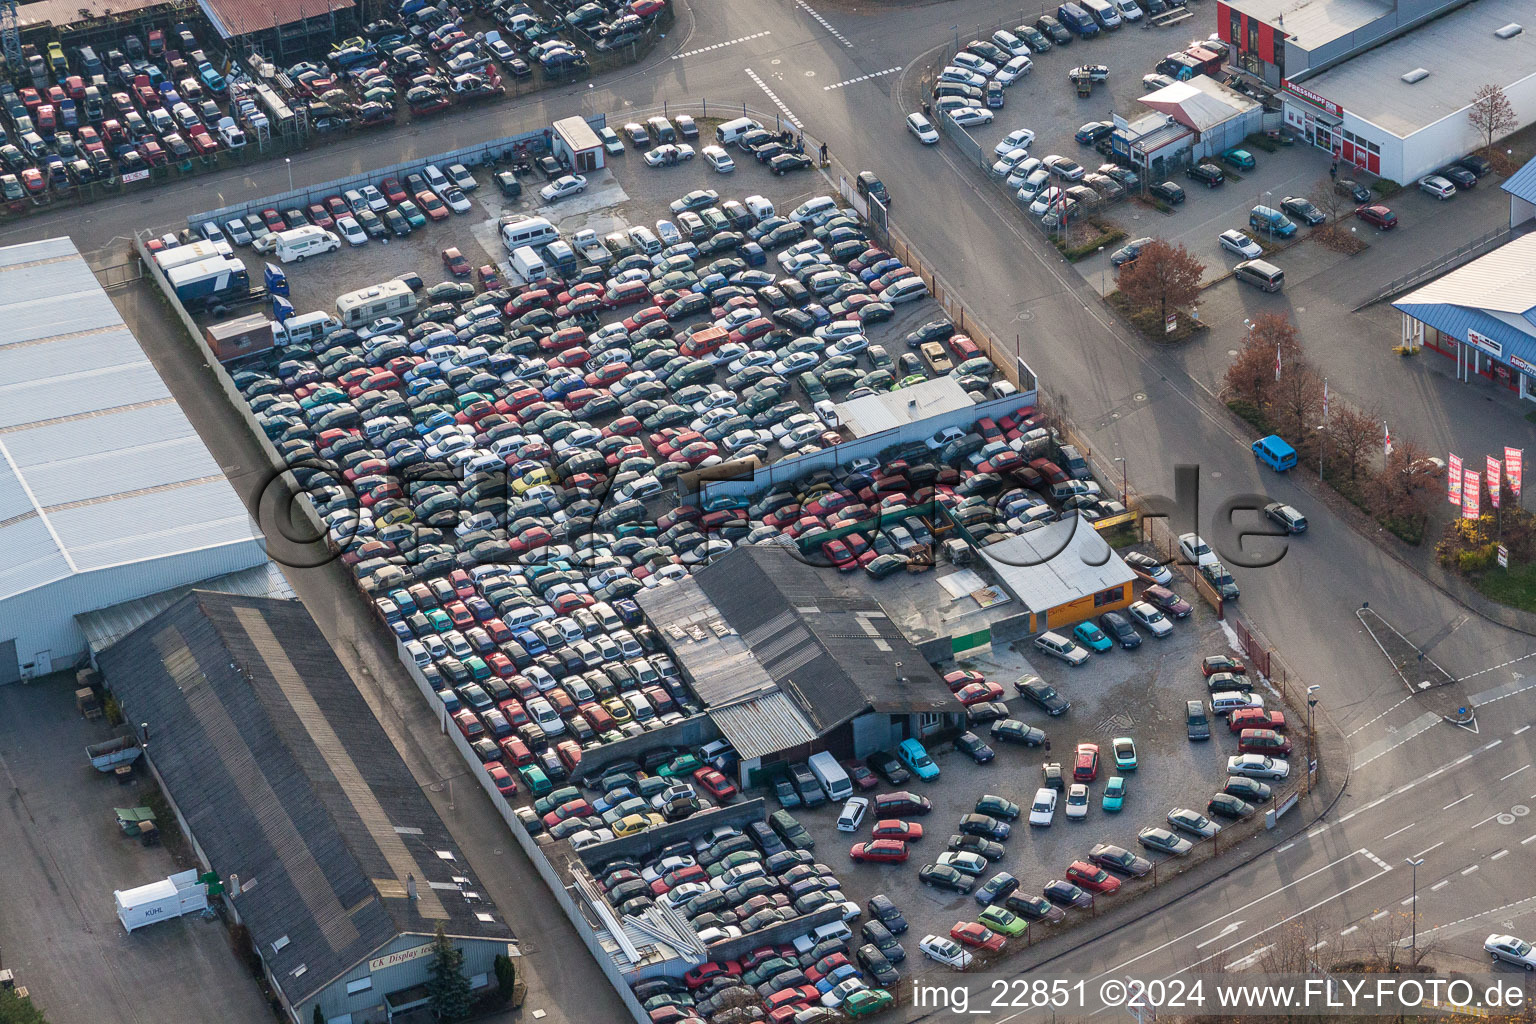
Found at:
[290, 791]
[790, 658]
[281, 28]
[576, 145]
[1385, 85]
[106, 492]
[1189, 121]
[1483, 315]
[1063, 573]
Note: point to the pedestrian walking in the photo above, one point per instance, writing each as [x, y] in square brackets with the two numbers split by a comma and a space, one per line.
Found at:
[824, 154]
[1333, 171]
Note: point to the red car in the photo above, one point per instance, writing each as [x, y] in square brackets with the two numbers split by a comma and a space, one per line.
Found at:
[625, 294]
[975, 693]
[1377, 215]
[431, 205]
[1086, 767]
[884, 851]
[838, 554]
[895, 828]
[337, 207]
[710, 970]
[503, 779]
[462, 619]
[1256, 718]
[791, 997]
[34, 182]
[1221, 663]
[715, 784]
[392, 190]
[455, 262]
[1168, 601]
[468, 724]
[1092, 877]
[488, 276]
[273, 220]
[961, 677]
[861, 776]
[647, 315]
[978, 936]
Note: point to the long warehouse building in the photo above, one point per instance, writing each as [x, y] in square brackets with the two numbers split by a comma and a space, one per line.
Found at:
[107, 494]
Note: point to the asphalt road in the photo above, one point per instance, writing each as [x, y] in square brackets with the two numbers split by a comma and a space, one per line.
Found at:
[841, 72]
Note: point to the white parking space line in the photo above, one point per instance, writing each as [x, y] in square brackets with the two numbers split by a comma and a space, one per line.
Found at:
[861, 78]
[1400, 831]
[1410, 899]
[1520, 730]
[1428, 848]
[1317, 946]
[788, 114]
[1512, 774]
[1453, 803]
[1380, 915]
[1440, 885]
[1287, 846]
[824, 22]
[728, 42]
[1528, 839]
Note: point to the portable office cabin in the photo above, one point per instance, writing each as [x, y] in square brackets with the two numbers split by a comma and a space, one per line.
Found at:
[236, 339]
[577, 144]
[175, 896]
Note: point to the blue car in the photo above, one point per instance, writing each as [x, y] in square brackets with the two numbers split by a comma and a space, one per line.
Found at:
[837, 977]
[1092, 636]
[1114, 794]
[915, 757]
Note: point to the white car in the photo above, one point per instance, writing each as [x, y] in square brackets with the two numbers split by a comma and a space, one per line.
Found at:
[1029, 189]
[668, 233]
[827, 410]
[1257, 766]
[1010, 42]
[971, 62]
[848, 345]
[1077, 802]
[1013, 71]
[374, 198]
[946, 951]
[1058, 646]
[1005, 164]
[853, 814]
[1063, 167]
[460, 176]
[560, 188]
[719, 159]
[967, 116]
[1196, 551]
[1511, 950]
[669, 154]
[612, 144]
[908, 289]
[923, 128]
[1022, 171]
[351, 230]
[1019, 137]
[961, 76]
[455, 199]
[1236, 242]
[1150, 619]
[1043, 811]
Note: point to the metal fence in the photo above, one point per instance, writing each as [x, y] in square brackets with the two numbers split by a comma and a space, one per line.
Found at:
[1440, 264]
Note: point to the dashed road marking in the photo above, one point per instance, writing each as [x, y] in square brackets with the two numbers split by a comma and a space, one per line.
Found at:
[824, 22]
[728, 42]
[1520, 730]
[1528, 839]
[1429, 848]
[1495, 668]
[1512, 774]
[1287, 846]
[1377, 860]
[861, 78]
[1501, 853]
[1468, 871]
[1351, 928]
[1410, 899]
[788, 114]
[1481, 913]
[1453, 803]
[1384, 714]
[1379, 916]
[1317, 946]
[1400, 831]
[1440, 885]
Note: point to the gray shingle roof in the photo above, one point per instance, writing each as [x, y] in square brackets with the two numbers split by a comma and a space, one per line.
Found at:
[286, 779]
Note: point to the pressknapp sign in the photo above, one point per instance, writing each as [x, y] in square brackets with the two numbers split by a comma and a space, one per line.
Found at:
[1312, 97]
[1477, 339]
[401, 956]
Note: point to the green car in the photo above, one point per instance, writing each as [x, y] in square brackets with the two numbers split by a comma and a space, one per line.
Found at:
[1125, 753]
[411, 212]
[997, 807]
[867, 1001]
[1239, 158]
[908, 381]
[1114, 793]
[439, 620]
[1004, 922]
[1092, 636]
[534, 778]
[683, 764]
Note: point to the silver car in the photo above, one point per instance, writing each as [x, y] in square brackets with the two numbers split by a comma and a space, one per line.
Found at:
[1257, 766]
[1150, 619]
[1058, 646]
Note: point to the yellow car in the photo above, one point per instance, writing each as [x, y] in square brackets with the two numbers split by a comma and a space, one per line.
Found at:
[56, 57]
[524, 484]
[398, 514]
[635, 823]
[619, 710]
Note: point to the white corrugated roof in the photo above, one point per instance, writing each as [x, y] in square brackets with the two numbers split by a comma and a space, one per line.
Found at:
[1201, 103]
[1056, 564]
[98, 465]
[887, 410]
[1504, 281]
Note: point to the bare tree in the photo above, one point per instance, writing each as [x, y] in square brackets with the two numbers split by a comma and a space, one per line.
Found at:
[1163, 276]
[1296, 404]
[1251, 375]
[1355, 436]
[1397, 490]
[1330, 200]
[1491, 114]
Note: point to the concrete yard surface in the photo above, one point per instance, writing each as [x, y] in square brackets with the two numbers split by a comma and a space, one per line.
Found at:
[65, 856]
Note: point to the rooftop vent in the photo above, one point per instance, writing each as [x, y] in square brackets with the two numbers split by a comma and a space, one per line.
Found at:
[1416, 75]
[1509, 31]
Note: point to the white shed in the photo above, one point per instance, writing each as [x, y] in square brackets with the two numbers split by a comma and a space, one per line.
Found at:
[577, 144]
[175, 896]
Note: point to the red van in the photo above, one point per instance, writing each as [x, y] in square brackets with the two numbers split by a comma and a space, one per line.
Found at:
[1263, 741]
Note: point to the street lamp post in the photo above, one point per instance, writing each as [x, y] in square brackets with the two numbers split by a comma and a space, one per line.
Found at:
[1121, 459]
[289, 161]
[1103, 275]
[1415, 864]
[1311, 703]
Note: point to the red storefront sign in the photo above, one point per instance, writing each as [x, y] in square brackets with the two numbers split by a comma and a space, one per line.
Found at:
[1313, 98]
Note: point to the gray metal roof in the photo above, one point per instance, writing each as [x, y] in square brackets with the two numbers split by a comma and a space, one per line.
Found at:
[98, 465]
[1057, 564]
[887, 410]
[763, 725]
[1370, 85]
[286, 779]
[1494, 295]
[1201, 103]
[1314, 23]
[106, 626]
[1522, 184]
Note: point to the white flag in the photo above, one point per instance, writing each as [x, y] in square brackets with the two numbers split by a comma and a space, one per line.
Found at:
[1387, 435]
[1325, 399]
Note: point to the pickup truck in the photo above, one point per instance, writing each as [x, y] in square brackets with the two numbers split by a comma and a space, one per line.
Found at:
[591, 248]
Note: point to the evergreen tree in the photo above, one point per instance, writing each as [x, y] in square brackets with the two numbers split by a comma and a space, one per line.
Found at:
[447, 988]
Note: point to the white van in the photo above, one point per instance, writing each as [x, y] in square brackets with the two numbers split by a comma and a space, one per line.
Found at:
[527, 264]
[305, 329]
[1102, 12]
[528, 231]
[730, 131]
[815, 211]
[831, 776]
[1129, 9]
[298, 244]
[760, 207]
[364, 306]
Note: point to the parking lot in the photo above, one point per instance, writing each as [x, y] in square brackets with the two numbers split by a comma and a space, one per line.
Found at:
[1139, 693]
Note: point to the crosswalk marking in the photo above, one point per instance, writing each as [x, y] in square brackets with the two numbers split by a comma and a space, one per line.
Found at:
[824, 23]
[788, 114]
[716, 46]
[861, 78]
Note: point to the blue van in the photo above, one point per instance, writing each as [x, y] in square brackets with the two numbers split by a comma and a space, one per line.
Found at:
[1267, 220]
[1275, 453]
[1078, 20]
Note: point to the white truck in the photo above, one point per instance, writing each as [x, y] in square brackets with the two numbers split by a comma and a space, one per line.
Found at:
[591, 248]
